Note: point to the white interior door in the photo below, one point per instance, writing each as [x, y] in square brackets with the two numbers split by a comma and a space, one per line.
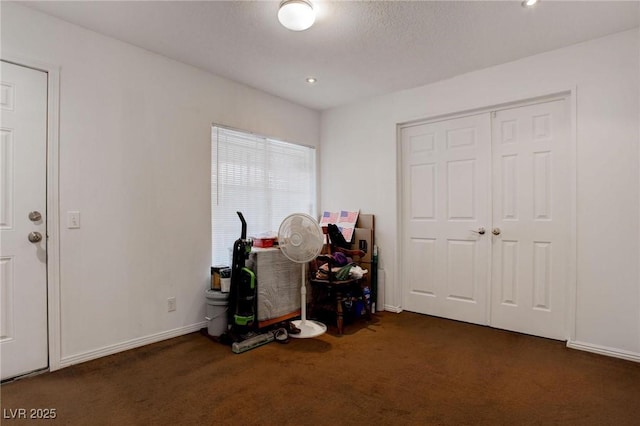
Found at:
[531, 208]
[446, 180]
[23, 267]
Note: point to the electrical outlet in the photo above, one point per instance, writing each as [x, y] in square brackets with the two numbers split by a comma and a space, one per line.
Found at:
[171, 304]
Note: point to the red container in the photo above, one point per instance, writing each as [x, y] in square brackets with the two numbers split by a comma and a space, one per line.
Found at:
[263, 242]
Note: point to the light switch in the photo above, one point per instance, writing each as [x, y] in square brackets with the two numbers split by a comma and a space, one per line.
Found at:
[73, 219]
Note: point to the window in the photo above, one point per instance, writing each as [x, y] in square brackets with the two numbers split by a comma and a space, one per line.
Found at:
[265, 179]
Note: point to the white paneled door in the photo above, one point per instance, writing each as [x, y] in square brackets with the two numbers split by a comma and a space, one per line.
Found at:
[445, 208]
[486, 202]
[23, 257]
[531, 208]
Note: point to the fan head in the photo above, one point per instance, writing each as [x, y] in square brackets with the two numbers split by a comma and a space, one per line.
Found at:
[300, 237]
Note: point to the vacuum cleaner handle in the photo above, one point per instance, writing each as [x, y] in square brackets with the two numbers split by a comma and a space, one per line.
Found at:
[243, 235]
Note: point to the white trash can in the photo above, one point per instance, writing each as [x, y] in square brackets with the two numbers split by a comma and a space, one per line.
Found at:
[217, 306]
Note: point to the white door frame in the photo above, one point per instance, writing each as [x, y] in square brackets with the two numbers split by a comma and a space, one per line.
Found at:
[53, 213]
[569, 94]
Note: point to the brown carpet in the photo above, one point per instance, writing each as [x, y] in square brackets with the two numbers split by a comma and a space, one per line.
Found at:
[397, 369]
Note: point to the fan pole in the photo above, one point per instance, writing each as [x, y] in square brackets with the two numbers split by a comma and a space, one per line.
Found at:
[303, 295]
[308, 328]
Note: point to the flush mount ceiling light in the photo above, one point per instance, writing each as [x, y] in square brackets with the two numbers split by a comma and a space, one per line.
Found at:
[296, 15]
[529, 3]
[311, 80]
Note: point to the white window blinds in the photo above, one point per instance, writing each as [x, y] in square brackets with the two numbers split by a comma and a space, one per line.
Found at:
[263, 178]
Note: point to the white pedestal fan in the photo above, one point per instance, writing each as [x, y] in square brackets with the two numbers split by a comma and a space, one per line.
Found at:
[300, 239]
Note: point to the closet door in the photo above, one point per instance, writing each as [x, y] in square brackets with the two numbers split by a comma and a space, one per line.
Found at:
[531, 210]
[446, 201]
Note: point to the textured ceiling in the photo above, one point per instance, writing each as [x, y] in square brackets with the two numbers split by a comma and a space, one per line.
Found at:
[356, 49]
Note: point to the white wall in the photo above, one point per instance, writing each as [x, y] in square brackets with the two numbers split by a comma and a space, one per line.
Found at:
[135, 161]
[358, 148]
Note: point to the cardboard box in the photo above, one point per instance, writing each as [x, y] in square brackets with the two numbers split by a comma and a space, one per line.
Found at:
[363, 240]
[366, 221]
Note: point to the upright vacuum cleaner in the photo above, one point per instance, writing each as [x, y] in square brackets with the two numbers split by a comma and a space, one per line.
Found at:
[242, 295]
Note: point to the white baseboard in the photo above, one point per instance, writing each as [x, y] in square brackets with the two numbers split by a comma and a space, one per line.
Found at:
[130, 344]
[604, 350]
[394, 309]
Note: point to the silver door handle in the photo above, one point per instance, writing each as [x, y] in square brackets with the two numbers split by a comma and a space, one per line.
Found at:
[480, 231]
[35, 237]
[35, 216]
[496, 231]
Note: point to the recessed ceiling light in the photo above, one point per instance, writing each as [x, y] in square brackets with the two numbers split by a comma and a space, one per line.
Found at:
[311, 80]
[529, 3]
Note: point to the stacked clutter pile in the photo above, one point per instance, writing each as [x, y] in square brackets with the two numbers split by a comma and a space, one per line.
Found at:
[344, 268]
[356, 302]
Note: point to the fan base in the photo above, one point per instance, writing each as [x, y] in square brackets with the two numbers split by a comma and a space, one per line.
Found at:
[308, 328]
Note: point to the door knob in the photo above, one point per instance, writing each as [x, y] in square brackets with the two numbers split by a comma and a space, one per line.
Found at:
[35, 216]
[496, 231]
[480, 231]
[35, 237]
